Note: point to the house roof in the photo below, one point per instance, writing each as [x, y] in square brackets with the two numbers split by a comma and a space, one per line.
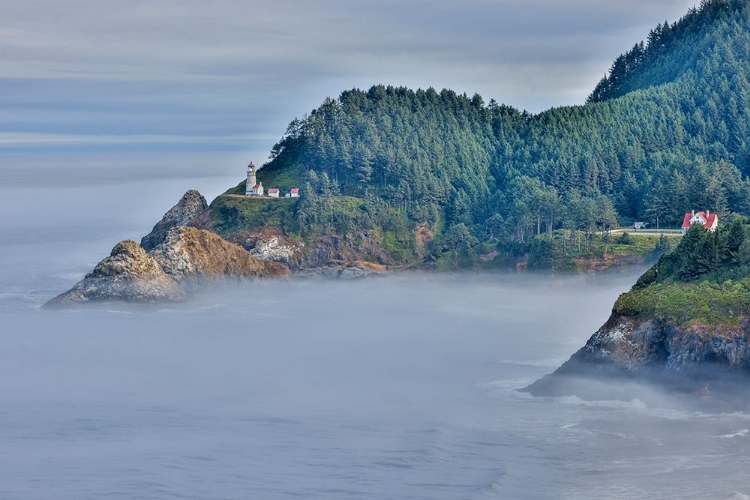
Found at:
[686, 220]
[709, 221]
[294, 190]
[257, 186]
[273, 190]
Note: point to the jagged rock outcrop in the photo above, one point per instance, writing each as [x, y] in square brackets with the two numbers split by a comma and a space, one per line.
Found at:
[187, 257]
[128, 274]
[194, 256]
[190, 205]
[271, 244]
[694, 358]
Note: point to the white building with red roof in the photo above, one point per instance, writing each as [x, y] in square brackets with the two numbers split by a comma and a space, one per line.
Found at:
[706, 219]
[273, 192]
[294, 192]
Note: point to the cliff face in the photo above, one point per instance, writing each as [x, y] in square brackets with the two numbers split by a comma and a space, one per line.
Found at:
[349, 248]
[190, 205]
[694, 358]
[684, 325]
[270, 244]
[636, 347]
[193, 256]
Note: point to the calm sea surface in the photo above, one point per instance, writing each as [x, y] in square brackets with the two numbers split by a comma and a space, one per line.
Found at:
[395, 388]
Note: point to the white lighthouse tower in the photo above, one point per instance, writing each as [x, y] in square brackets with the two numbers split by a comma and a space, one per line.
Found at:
[252, 187]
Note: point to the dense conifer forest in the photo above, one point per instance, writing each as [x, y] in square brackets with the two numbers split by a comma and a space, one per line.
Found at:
[664, 132]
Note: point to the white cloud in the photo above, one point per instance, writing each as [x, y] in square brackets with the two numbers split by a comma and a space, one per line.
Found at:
[158, 69]
[40, 139]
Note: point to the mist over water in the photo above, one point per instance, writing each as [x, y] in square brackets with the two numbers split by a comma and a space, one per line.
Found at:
[400, 387]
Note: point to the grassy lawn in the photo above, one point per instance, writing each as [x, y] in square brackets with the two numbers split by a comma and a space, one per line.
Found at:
[282, 178]
[234, 213]
[705, 302]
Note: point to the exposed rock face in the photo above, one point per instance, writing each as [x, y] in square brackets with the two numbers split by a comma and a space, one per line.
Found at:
[334, 248]
[194, 256]
[271, 244]
[693, 358]
[129, 274]
[422, 236]
[186, 257]
[328, 256]
[190, 205]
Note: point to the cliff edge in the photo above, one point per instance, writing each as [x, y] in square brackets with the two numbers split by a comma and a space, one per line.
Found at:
[685, 325]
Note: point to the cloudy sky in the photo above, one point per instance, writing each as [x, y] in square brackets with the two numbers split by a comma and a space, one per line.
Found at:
[228, 75]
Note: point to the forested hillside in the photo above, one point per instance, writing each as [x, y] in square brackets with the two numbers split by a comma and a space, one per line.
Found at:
[665, 131]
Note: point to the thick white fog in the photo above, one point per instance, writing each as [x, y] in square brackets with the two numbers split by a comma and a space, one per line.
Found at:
[399, 387]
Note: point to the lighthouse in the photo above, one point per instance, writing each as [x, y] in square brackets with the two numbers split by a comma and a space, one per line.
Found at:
[252, 187]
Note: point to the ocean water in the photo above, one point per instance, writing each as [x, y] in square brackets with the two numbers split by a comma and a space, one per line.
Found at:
[402, 387]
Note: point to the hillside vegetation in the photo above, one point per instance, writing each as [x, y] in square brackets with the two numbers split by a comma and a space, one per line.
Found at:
[664, 132]
[705, 280]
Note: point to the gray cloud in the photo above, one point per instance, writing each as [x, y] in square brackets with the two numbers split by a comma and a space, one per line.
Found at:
[233, 67]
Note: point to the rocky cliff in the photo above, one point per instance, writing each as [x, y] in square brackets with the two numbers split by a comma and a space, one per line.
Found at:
[712, 362]
[172, 259]
[684, 325]
[190, 205]
[129, 273]
[270, 244]
[187, 257]
[194, 257]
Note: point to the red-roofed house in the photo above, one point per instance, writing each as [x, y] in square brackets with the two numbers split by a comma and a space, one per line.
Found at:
[257, 189]
[706, 219]
[273, 192]
[294, 192]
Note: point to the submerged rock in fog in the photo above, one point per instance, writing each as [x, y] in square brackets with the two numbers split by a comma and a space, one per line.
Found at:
[129, 273]
[190, 205]
[195, 256]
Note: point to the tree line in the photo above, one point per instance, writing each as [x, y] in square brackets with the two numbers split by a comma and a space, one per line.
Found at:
[664, 132]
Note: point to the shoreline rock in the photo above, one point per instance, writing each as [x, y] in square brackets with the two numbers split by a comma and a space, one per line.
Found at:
[710, 362]
[128, 274]
[186, 259]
